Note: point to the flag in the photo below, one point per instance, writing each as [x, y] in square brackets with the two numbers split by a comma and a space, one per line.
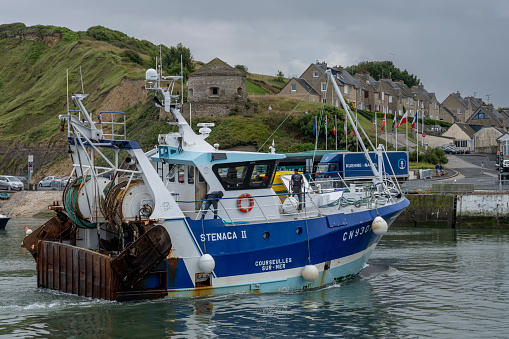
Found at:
[345, 125]
[314, 127]
[335, 123]
[394, 121]
[403, 120]
[325, 125]
[383, 122]
[413, 121]
[374, 124]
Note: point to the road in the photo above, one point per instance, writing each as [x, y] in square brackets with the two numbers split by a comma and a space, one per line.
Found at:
[468, 167]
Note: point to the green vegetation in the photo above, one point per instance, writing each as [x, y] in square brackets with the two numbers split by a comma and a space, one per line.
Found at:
[254, 89]
[431, 156]
[384, 69]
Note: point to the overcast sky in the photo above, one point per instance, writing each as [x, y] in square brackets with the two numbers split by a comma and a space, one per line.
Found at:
[451, 45]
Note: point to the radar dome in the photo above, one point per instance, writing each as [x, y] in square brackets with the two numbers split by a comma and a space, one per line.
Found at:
[151, 74]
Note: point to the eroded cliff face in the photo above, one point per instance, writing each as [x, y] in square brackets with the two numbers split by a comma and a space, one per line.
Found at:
[48, 39]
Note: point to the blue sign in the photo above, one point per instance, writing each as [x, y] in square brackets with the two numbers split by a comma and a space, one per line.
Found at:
[355, 164]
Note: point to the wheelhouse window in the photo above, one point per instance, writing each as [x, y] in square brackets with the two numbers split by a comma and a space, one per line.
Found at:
[245, 175]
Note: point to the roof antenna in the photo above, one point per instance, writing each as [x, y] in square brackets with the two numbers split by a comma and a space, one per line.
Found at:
[182, 75]
[82, 89]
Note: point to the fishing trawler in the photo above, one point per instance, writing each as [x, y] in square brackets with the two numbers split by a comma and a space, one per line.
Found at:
[141, 227]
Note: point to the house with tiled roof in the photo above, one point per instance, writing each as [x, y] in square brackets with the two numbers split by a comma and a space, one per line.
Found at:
[462, 108]
[301, 89]
[446, 115]
[486, 139]
[463, 135]
[426, 102]
[394, 100]
[369, 95]
[487, 115]
[406, 99]
[315, 77]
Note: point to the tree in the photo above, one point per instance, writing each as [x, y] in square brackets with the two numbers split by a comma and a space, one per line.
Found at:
[241, 68]
[171, 59]
[383, 69]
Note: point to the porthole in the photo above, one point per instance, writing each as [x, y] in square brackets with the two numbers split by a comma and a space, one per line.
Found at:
[298, 230]
[266, 235]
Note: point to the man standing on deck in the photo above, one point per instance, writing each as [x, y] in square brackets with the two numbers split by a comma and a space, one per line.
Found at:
[296, 186]
[211, 199]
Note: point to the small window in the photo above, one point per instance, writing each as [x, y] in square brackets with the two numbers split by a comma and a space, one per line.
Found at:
[324, 86]
[182, 174]
[245, 175]
[294, 87]
[366, 94]
[172, 173]
[261, 176]
[390, 98]
[239, 91]
[315, 74]
[324, 100]
[214, 90]
[190, 92]
[345, 90]
[190, 174]
[459, 110]
[383, 96]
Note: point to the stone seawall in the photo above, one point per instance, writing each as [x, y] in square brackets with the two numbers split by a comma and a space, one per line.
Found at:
[456, 211]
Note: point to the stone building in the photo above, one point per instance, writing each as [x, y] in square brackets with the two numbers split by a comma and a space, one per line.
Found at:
[216, 89]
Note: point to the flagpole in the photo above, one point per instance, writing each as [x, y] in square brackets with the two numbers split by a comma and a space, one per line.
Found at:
[336, 130]
[346, 136]
[376, 132]
[385, 127]
[356, 138]
[396, 144]
[406, 132]
[417, 136]
[325, 130]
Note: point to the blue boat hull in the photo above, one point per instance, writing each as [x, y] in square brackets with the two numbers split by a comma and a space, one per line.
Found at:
[246, 261]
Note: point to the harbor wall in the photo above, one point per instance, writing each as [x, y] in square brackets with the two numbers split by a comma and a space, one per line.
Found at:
[456, 211]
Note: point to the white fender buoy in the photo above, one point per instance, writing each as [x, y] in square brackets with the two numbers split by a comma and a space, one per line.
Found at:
[28, 231]
[379, 226]
[207, 263]
[310, 273]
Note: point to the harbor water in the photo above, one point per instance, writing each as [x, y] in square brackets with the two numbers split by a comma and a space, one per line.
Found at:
[421, 282]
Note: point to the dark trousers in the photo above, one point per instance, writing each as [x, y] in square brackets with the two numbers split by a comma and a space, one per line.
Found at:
[297, 190]
[207, 206]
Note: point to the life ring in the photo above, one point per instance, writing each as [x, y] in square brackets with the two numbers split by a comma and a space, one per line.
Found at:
[239, 203]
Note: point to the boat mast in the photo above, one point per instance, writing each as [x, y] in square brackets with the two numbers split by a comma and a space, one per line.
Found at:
[376, 172]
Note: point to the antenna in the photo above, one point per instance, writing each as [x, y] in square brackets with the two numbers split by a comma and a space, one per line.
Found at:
[488, 96]
[182, 75]
[67, 81]
[81, 75]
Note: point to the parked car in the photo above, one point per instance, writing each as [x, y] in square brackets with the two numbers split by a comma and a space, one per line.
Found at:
[9, 182]
[449, 149]
[65, 180]
[48, 181]
[23, 180]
